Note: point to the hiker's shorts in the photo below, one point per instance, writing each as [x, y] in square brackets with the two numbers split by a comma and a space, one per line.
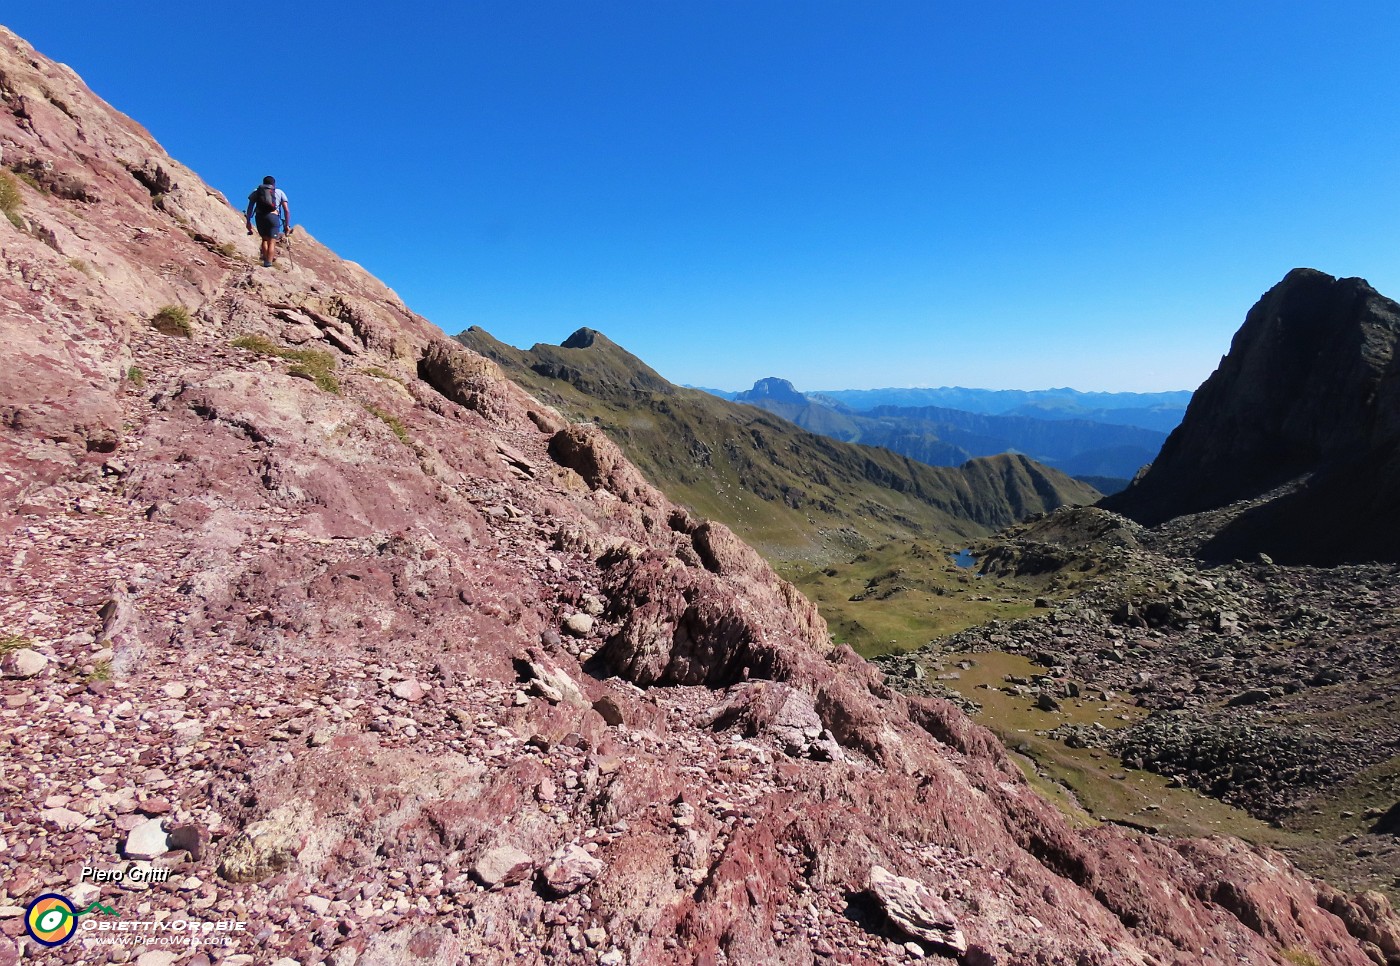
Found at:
[270, 225]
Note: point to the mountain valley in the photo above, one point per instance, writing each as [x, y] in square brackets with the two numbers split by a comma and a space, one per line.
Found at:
[796, 496]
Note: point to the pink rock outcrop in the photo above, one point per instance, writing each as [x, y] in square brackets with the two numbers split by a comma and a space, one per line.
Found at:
[316, 626]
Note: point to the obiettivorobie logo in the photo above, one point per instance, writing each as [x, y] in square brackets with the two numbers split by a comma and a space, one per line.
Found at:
[52, 920]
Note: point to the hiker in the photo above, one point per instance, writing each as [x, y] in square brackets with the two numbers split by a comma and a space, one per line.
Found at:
[268, 203]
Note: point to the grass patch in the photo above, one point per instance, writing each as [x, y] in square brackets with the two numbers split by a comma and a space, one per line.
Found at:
[260, 344]
[78, 265]
[899, 596]
[379, 373]
[315, 365]
[1092, 779]
[11, 200]
[102, 671]
[173, 320]
[393, 422]
[136, 377]
[13, 642]
[1298, 957]
[227, 249]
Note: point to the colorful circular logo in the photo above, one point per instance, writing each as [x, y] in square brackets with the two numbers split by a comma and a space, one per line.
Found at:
[51, 919]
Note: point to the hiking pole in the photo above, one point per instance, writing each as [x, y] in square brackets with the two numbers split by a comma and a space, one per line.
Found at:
[286, 243]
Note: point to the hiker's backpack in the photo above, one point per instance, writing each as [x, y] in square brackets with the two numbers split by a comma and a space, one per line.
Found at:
[266, 198]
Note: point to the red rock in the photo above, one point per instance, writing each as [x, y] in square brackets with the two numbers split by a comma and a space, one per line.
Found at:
[502, 866]
[569, 870]
[408, 690]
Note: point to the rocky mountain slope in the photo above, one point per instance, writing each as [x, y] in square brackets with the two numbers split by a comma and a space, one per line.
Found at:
[376, 655]
[1272, 688]
[1302, 417]
[791, 493]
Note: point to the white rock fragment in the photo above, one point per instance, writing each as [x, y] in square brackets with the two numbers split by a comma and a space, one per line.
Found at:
[917, 910]
[146, 841]
[409, 690]
[24, 663]
[65, 818]
[555, 686]
[261, 850]
[579, 625]
[502, 866]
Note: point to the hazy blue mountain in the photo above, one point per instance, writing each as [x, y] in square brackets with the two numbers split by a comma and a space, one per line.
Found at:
[721, 393]
[943, 436]
[1160, 411]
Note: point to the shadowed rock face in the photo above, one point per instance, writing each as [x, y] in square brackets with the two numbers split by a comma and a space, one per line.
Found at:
[1306, 403]
[336, 631]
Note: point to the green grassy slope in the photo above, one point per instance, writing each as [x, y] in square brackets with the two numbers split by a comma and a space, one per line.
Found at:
[794, 495]
[899, 596]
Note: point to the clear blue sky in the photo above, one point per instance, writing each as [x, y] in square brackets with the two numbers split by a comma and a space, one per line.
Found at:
[847, 194]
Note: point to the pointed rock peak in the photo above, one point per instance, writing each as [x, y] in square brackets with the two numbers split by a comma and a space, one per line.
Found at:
[1307, 394]
[605, 367]
[583, 339]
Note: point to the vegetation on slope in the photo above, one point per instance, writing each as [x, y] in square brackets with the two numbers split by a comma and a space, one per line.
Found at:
[794, 495]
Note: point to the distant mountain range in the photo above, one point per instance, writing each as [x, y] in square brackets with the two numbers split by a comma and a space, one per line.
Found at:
[1098, 435]
[792, 493]
[1161, 411]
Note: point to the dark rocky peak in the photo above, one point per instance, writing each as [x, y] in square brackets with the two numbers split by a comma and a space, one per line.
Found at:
[588, 360]
[774, 389]
[582, 339]
[1304, 410]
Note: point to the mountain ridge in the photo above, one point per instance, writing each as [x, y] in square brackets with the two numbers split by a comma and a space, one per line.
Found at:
[1157, 410]
[778, 477]
[1302, 418]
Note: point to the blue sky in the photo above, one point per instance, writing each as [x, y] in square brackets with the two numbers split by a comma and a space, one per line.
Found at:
[846, 194]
